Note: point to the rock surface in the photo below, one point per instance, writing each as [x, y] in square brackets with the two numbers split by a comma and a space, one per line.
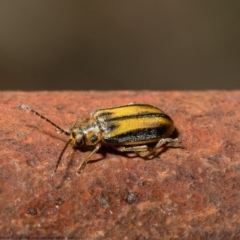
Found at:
[190, 193]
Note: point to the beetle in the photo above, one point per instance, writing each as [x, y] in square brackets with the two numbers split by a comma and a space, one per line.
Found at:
[127, 128]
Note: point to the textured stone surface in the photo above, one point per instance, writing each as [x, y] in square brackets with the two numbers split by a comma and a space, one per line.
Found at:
[191, 193]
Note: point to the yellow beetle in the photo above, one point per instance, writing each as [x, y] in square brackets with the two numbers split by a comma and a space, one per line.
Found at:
[127, 128]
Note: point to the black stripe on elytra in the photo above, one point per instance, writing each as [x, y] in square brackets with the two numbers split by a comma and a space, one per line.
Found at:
[107, 116]
[138, 135]
[140, 115]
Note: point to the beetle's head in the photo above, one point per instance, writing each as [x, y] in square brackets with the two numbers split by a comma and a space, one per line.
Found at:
[76, 137]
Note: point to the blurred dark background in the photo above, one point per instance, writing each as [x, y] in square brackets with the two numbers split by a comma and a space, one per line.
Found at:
[101, 45]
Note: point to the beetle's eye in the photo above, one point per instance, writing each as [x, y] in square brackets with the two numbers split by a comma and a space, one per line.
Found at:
[79, 141]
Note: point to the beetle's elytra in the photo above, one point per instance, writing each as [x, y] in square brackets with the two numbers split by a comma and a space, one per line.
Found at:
[128, 128]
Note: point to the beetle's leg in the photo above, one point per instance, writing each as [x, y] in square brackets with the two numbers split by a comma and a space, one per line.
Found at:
[85, 161]
[161, 143]
[164, 141]
[144, 150]
[131, 149]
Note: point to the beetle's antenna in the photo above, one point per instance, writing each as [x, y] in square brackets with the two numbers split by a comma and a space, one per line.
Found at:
[60, 157]
[62, 152]
[46, 119]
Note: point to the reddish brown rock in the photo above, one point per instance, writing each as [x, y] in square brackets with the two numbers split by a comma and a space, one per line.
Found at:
[190, 193]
